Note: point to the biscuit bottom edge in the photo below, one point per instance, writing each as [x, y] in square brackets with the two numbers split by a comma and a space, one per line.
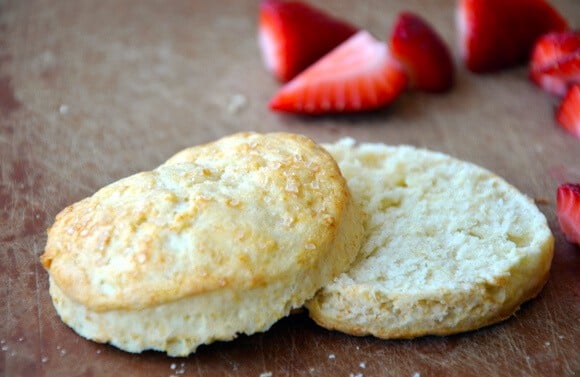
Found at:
[394, 318]
[180, 327]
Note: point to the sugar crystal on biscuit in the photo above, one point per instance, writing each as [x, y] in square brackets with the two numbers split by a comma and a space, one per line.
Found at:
[141, 257]
[291, 186]
[289, 220]
[232, 202]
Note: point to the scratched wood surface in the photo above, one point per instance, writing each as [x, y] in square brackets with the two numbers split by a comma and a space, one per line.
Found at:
[92, 91]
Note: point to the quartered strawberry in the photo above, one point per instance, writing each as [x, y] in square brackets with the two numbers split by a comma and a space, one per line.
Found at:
[555, 61]
[423, 53]
[498, 34]
[293, 35]
[568, 113]
[552, 47]
[358, 75]
[568, 210]
[558, 77]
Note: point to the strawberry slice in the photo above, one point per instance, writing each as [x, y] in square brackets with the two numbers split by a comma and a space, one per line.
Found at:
[423, 53]
[498, 34]
[358, 75]
[555, 61]
[568, 210]
[568, 113]
[292, 35]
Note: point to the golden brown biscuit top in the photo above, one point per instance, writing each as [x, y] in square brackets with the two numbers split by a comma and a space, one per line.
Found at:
[239, 213]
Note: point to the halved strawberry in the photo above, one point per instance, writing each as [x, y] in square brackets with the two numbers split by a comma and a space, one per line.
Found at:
[568, 113]
[293, 35]
[568, 210]
[423, 53]
[358, 75]
[498, 34]
[555, 61]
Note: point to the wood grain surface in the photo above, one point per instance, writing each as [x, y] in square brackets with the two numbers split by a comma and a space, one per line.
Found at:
[92, 91]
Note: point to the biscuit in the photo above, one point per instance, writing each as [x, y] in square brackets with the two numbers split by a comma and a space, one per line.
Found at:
[450, 246]
[225, 238]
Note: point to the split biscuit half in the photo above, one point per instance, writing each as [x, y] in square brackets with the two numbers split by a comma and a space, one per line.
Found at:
[225, 238]
[450, 246]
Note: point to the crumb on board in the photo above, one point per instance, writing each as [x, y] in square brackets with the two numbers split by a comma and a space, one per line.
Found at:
[177, 370]
[61, 350]
[236, 103]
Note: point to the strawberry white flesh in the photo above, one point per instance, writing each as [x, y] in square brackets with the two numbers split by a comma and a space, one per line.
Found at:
[270, 51]
[358, 75]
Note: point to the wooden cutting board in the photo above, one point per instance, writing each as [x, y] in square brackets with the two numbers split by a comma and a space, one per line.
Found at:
[92, 91]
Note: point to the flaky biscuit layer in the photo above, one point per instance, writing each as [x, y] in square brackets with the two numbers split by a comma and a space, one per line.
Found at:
[451, 246]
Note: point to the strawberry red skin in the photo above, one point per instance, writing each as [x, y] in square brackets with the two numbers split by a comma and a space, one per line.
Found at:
[358, 75]
[423, 53]
[568, 210]
[555, 62]
[568, 113]
[302, 34]
[499, 34]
